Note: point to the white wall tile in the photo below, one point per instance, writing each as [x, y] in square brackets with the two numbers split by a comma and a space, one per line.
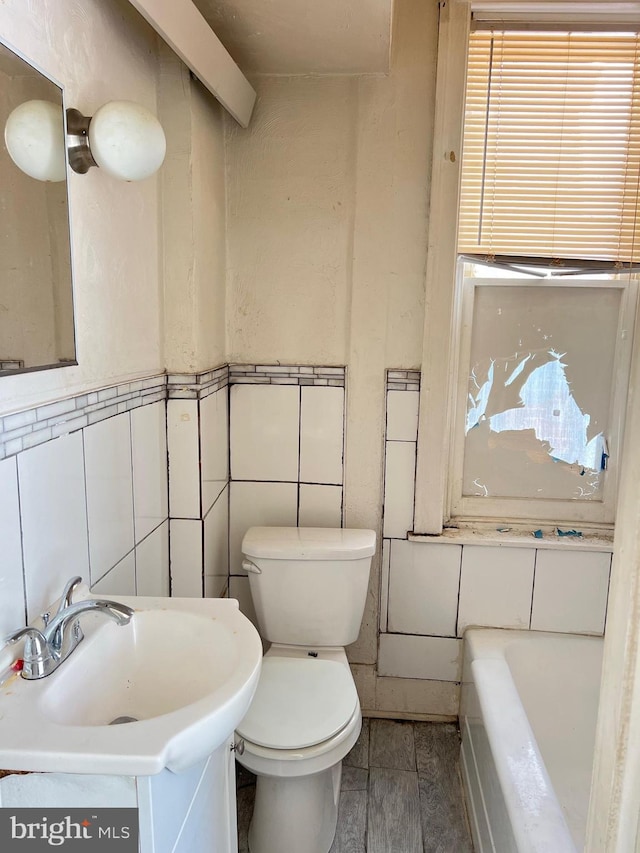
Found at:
[107, 450]
[258, 505]
[399, 484]
[321, 434]
[496, 587]
[216, 587]
[402, 415]
[214, 446]
[423, 588]
[404, 656]
[185, 548]
[184, 460]
[152, 562]
[570, 591]
[12, 601]
[149, 453]
[384, 583]
[216, 544]
[239, 589]
[265, 432]
[320, 506]
[121, 580]
[54, 520]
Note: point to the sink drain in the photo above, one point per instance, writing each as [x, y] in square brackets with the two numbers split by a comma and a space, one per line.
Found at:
[119, 720]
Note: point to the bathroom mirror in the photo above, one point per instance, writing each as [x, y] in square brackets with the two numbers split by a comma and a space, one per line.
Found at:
[36, 300]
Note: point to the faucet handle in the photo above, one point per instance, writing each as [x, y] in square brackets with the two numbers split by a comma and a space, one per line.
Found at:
[65, 599]
[35, 646]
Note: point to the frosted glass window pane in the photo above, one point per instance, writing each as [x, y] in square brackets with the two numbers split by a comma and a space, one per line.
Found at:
[540, 379]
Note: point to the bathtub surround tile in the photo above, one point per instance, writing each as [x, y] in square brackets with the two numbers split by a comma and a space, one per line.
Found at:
[394, 811]
[120, 580]
[496, 587]
[54, 531]
[570, 591]
[258, 504]
[264, 432]
[351, 832]
[406, 656]
[12, 600]
[399, 485]
[402, 415]
[321, 435]
[184, 458]
[320, 506]
[109, 477]
[152, 563]
[423, 588]
[392, 745]
[214, 447]
[149, 453]
[185, 540]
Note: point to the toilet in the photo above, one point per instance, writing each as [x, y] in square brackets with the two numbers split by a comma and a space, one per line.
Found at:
[309, 587]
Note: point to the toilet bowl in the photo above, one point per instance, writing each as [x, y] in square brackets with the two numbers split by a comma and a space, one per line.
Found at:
[304, 725]
[309, 587]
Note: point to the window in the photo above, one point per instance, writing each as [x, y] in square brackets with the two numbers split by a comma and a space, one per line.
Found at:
[548, 244]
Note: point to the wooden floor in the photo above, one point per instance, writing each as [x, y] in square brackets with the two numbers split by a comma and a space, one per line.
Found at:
[400, 793]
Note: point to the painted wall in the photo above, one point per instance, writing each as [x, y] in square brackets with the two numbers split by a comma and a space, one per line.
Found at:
[98, 51]
[326, 231]
[193, 221]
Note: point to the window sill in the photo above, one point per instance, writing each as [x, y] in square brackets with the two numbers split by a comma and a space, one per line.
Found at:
[523, 538]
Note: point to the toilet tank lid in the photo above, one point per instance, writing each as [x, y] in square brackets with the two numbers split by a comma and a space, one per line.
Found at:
[308, 543]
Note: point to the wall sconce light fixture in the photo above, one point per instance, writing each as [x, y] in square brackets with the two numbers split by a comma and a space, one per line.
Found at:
[123, 138]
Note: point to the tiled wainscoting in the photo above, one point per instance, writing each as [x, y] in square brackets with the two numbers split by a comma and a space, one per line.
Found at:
[83, 491]
[431, 591]
[286, 453]
[198, 442]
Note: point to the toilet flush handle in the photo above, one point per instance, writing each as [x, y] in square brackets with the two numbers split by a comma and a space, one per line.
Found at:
[248, 566]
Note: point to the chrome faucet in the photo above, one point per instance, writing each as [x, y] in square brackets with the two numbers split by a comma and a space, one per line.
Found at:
[45, 650]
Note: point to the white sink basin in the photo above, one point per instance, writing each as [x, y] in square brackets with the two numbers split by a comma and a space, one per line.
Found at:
[185, 669]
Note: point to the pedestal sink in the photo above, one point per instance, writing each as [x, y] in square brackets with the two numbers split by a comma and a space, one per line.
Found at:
[179, 678]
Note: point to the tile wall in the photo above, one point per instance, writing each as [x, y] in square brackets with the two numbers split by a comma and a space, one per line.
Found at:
[198, 444]
[286, 453]
[432, 591]
[83, 491]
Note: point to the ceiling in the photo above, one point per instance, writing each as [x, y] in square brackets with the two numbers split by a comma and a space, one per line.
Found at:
[303, 36]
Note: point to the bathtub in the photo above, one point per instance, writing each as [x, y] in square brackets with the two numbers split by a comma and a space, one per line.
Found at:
[528, 720]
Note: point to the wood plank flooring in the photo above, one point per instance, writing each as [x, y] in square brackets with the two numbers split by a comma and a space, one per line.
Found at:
[400, 793]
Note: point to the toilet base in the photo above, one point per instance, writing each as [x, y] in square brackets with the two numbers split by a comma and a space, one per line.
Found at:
[296, 814]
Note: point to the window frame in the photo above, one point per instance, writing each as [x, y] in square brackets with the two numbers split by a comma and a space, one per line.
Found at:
[465, 509]
[442, 341]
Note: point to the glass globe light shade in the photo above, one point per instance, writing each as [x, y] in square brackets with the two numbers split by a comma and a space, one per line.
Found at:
[126, 140]
[34, 136]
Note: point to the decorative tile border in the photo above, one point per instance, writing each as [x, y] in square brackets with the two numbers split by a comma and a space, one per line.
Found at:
[32, 427]
[286, 374]
[197, 386]
[403, 380]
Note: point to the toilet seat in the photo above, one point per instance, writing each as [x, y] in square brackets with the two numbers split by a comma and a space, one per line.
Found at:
[299, 702]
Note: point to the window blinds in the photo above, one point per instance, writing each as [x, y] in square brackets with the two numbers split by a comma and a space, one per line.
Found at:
[551, 157]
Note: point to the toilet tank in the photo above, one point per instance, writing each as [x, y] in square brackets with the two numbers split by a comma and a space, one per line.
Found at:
[308, 584]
